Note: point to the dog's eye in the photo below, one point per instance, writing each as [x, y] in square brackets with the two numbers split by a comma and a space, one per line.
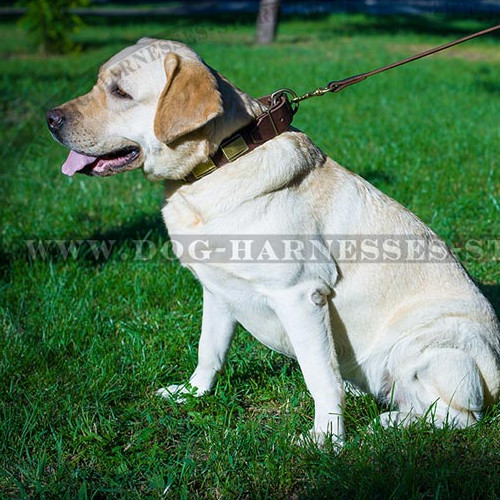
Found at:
[118, 92]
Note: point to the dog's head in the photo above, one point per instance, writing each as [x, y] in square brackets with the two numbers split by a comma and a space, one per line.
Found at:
[155, 105]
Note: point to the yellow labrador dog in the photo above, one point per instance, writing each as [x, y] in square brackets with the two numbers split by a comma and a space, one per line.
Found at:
[386, 307]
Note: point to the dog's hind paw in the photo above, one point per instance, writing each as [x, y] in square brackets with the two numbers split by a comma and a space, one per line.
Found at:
[392, 419]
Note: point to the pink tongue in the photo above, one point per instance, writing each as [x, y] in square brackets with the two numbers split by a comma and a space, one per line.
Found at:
[76, 162]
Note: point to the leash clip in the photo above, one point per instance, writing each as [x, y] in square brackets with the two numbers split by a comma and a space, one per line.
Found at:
[290, 96]
[320, 91]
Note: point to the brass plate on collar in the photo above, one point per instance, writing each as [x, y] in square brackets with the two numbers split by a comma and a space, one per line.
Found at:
[235, 148]
[203, 169]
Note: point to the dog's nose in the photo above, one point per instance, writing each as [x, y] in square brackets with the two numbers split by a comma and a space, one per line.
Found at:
[55, 118]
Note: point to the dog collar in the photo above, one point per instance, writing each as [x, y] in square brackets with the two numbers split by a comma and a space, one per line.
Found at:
[265, 127]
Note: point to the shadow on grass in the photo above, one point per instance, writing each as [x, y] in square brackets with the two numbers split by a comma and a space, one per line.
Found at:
[5, 266]
[438, 24]
[433, 24]
[151, 229]
[492, 293]
[139, 240]
[393, 467]
[147, 226]
[189, 30]
[378, 177]
[490, 86]
[193, 28]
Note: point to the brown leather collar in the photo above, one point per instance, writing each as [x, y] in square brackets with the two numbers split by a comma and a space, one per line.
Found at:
[265, 127]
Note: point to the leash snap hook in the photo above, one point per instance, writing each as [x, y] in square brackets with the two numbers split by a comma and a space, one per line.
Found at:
[320, 91]
[290, 95]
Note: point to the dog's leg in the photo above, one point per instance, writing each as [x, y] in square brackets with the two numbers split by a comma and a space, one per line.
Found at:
[217, 331]
[303, 311]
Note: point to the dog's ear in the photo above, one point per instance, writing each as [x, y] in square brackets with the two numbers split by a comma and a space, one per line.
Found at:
[189, 100]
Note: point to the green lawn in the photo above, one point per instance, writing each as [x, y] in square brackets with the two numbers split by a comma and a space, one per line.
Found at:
[87, 340]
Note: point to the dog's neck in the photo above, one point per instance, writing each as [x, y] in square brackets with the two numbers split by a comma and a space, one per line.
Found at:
[287, 160]
[239, 110]
[275, 120]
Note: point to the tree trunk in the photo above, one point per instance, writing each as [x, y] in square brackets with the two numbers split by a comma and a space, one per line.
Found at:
[267, 21]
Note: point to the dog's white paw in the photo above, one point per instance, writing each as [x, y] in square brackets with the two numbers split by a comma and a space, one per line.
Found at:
[321, 440]
[175, 392]
[392, 419]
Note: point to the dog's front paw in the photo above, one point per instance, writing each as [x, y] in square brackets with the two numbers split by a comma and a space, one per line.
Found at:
[176, 392]
[321, 440]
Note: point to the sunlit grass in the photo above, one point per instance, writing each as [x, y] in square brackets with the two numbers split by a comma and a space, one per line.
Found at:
[86, 342]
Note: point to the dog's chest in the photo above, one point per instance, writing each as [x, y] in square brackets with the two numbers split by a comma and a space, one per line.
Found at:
[249, 306]
[236, 272]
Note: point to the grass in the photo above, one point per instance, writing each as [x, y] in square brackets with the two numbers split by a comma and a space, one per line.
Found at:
[86, 340]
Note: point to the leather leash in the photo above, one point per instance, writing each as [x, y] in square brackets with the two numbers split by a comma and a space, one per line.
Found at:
[338, 85]
[282, 108]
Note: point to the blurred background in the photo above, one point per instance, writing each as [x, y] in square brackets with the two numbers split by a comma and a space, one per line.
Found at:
[46, 19]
